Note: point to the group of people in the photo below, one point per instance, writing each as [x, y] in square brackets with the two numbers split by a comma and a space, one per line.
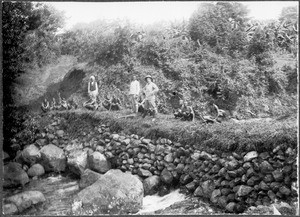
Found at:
[141, 100]
[60, 104]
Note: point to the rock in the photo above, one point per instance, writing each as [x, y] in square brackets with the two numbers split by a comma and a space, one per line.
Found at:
[222, 201]
[244, 190]
[98, 162]
[53, 158]
[196, 156]
[14, 175]
[151, 185]
[114, 192]
[268, 178]
[191, 186]
[232, 165]
[41, 142]
[253, 180]
[144, 173]
[208, 187]
[60, 133]
[240, 207]
[287, 169]
[88, 178]
[198, 192]
[77, 161]
[278, 175]
[169, 158]
[36, 170]
[266, 167]
[163, 190]
[285, 209]
[10, 209]
[230, 207]
[284, 190]
[146, 141]
[263, 186]
[115, 137]
[166, 176]
[31, 154]
[214, 196]
[185, 178]
[26, 199]
[250, 155]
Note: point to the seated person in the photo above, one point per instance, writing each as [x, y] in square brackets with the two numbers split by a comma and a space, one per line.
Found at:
[45, 105]
[72, 104]
[115, 104]
[91, 103]
[53, 104]
[141, 101]
[106, 103]
[112, 103]
[64, 104]
[185, 113]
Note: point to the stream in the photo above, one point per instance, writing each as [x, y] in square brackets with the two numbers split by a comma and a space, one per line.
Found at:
[59, 190]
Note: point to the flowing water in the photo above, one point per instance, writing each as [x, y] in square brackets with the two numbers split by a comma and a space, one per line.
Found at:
[152, 203]
[60, 189]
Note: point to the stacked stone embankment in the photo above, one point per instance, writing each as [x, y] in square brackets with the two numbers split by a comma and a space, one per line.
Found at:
[231, 181]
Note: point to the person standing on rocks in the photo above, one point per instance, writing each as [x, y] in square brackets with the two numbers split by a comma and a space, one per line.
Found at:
[134, 92]
[150, 90]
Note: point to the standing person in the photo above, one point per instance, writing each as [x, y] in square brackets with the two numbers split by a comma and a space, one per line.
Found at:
[92, 92]
[150, 90]
[134, 92]
[93, 88]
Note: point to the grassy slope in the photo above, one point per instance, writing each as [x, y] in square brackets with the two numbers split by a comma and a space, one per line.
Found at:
[228, 136]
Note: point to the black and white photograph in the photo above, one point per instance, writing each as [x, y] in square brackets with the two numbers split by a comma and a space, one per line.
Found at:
[150, 108]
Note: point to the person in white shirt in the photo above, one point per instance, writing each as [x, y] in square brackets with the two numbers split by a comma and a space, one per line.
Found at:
[134, 92]
[150, 90]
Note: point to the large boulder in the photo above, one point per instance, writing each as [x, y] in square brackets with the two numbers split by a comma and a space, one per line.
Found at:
[53, 158]
[26, 199]
[36, 170]
[98, 162]
[151, 185]
[31, 154]
[77, 161]
[14, 175]
[114, 192]
[88, 178]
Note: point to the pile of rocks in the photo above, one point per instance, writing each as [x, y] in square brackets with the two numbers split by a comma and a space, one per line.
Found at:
[231, 181]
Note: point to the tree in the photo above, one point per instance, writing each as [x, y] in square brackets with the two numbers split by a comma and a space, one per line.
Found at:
[17, 21]
[218, 25]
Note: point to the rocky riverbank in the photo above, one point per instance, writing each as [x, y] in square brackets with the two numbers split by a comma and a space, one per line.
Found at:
[230, 182]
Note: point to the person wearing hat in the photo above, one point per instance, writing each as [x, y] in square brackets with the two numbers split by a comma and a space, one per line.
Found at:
[134, 92]
[150, 90]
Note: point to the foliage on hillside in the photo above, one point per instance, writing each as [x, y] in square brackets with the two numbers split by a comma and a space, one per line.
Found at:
[219, 56]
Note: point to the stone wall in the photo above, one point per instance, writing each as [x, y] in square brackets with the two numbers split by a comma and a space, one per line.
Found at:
[231, 181]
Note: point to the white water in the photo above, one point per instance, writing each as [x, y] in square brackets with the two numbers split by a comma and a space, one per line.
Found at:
[152, 203]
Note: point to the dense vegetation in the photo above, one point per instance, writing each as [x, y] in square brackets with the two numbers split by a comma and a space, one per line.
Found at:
[218, 56]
